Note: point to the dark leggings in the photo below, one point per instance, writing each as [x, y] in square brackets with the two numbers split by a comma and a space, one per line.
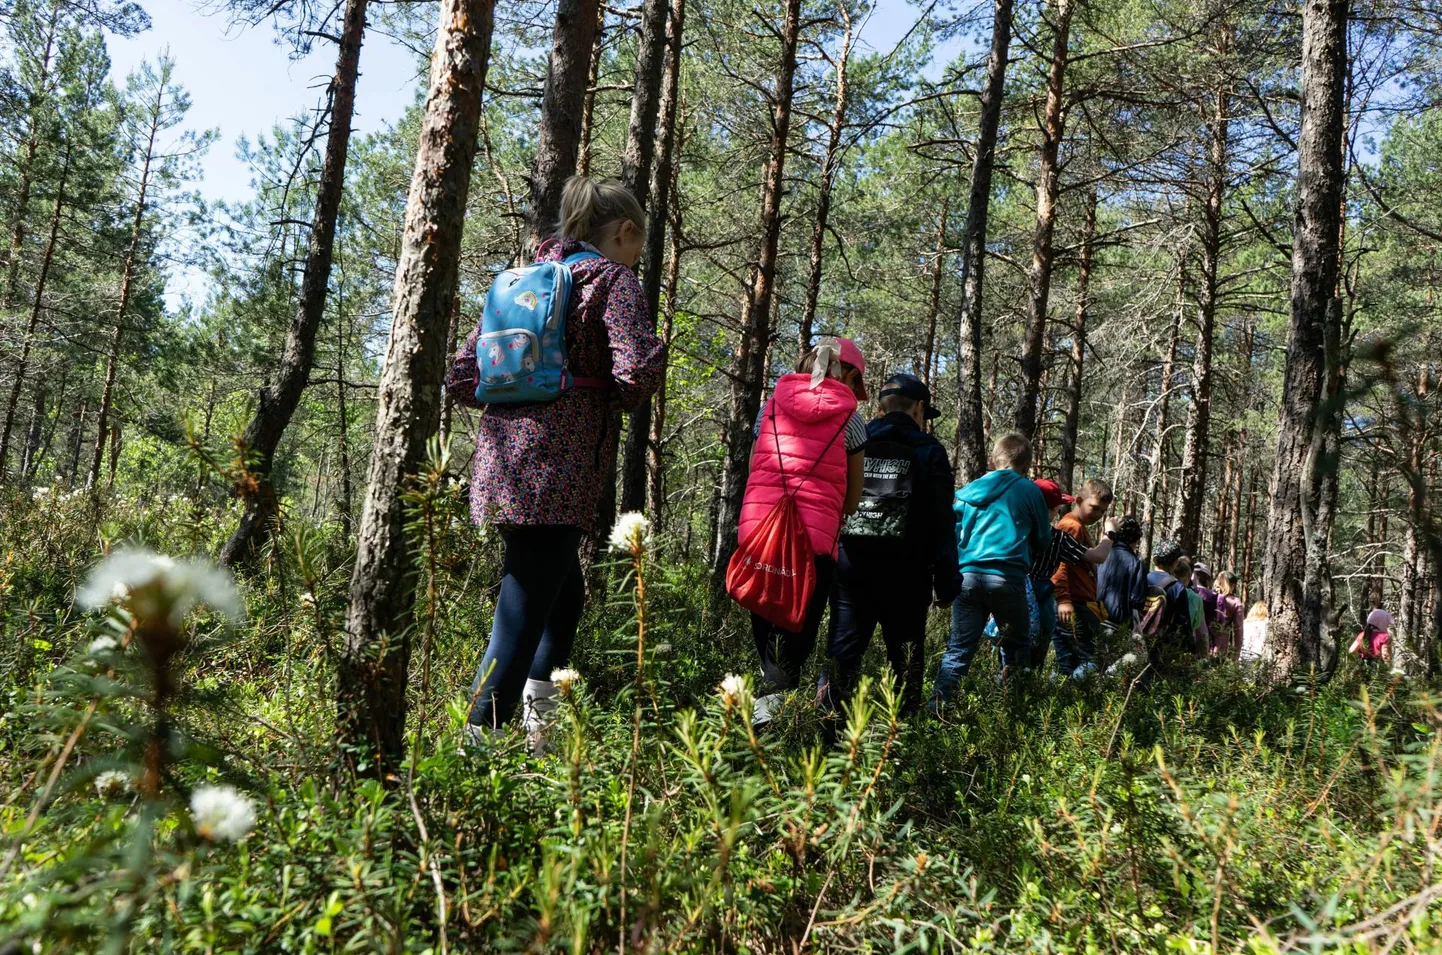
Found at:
[782, 653]
[537, 612]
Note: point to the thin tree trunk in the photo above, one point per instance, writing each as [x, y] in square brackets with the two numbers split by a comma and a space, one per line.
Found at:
[127, 281]
[1294, 547]
[1079, 343]
[588, 107]
[830, 161]
[371, 673]
[36, 304]
[747, 369]
[665, 207]
[561, 114]
[77, 441]
[938, 273]
[655, 456]
[28, 456]
[344, 504]
[971, 415]
[1156, 477]
[653, 112]
[280, 398]
[1251, 534]
[27, 162]
[1048, 187]
[1199, 413]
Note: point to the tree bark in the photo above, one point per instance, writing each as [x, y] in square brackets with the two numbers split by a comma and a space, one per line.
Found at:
[1079, 343]
[1199, 414]
[1292, 539]
[1048, 187]
[280, 398]
[30, 457]
[638, 440]
[829, 162]
[36, 304]
[371, 673]
[27, 162]
[1156, 483]
[127, 281]
[749, 362]
[588, 106]
[655, 450]
[971, 415]
[938, 274]
[561, 108]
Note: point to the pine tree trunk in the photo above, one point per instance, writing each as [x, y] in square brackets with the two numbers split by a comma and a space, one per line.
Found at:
[1079, 343]
[22, 363]
[829, 163]
[748, 365]
[77, 441]
[280, 398]
[641, 475]
[971, 415]
[561, 113]
[655, 450]
[1199, 412]
[1156, 477]
[938, 274]
[588, 106]
[30, 457]
[1292, 537]
[27, 163]
[372, 670]
[127, 284]
[1048, 187]
[653, 109]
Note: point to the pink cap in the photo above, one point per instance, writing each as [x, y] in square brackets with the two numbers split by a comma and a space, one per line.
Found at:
[1380, 619]
[851, 355]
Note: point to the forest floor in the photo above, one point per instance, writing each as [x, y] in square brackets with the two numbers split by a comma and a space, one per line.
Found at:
[1217, 813]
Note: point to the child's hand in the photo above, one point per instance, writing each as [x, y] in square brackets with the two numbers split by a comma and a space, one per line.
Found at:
[1064, 613]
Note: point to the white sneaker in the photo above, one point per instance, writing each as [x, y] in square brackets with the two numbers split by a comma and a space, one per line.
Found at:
[475, 737]
[763, 708]
[538, 713]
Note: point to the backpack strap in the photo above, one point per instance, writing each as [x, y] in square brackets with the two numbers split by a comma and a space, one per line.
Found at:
[584, 381]
[781, 459]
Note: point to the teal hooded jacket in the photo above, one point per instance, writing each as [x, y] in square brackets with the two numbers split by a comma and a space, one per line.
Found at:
[1001, 521]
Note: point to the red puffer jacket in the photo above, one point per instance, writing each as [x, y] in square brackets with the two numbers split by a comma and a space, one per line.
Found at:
[808, 426]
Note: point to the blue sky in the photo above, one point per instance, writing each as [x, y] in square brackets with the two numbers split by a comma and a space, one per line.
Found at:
[242, 82]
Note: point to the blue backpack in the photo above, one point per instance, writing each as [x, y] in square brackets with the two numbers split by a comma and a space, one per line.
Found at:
[521, 351]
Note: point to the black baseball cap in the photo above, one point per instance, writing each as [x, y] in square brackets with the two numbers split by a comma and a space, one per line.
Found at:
[910, 386]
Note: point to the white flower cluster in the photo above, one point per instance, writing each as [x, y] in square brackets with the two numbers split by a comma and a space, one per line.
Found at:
[57, 495]
[564, 677]
[102, 645]
[221, 813]
[154, 585]
[112, 782]
[632, 533]
[733, 689]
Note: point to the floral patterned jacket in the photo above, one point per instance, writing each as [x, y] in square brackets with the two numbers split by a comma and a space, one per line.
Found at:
[545, 463]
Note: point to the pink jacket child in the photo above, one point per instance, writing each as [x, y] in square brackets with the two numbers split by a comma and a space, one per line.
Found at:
[809, 440]
[1371, 643]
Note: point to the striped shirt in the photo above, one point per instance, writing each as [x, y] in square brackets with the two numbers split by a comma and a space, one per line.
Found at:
[856, 436]
[1063, 548]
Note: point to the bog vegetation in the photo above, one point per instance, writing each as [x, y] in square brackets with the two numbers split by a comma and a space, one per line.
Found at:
[1188, 247]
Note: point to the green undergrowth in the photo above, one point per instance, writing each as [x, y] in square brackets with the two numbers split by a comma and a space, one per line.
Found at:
[1211, 814]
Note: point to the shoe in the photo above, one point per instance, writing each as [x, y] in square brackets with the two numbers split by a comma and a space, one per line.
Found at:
[538, 709]
[763, 709]
[475, 737]
[1084, 671]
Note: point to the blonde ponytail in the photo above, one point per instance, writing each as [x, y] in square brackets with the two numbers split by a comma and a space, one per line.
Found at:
[588, 206]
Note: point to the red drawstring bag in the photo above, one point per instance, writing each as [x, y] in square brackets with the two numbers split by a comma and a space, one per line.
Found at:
[773, 572]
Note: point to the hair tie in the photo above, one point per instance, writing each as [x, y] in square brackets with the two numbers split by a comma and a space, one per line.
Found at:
[828, 350]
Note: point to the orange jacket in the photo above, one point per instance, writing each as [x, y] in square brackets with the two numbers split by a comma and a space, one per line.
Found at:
[1075, 583]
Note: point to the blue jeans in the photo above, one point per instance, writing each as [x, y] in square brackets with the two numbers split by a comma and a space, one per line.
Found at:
[1046, 609]
[537, 612]
[1075, 643]
[982, 596]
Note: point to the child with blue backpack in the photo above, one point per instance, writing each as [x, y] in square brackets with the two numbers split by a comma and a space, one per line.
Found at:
[561, 344]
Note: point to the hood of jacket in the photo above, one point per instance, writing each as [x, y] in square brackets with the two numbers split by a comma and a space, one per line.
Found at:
[804, 403]
[987, 488]
[892, 424]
